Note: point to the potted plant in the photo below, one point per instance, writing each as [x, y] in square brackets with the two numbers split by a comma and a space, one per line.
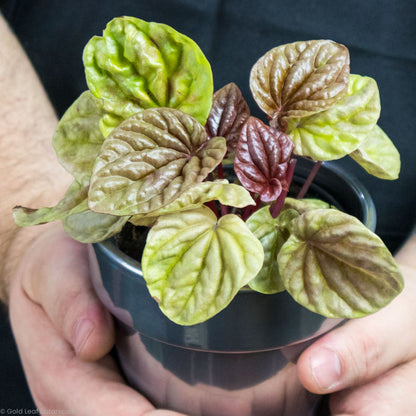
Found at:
[231, 273]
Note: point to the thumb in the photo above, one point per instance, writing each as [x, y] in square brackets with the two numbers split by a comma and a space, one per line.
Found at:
[362, 349]
[56, 276]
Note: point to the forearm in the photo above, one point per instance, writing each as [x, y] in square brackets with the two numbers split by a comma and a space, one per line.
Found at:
[29, 171]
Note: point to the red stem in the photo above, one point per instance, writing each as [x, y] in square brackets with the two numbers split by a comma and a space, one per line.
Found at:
[213, 206]
[309, 180]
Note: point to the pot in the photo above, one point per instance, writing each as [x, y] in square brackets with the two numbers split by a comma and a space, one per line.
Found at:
[240, 362]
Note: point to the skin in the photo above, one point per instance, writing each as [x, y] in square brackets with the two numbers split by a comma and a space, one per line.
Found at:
[64, 334]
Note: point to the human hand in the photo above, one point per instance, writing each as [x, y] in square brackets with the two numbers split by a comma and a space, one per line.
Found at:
[64, 334]
[369, 364]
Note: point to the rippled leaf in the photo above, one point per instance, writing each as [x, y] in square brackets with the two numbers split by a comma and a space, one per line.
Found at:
[340, 130]
[300, 79]
[77, 139]
[194, 265]
[74, 201]
[303, 205]
[272, 233]
[262, 159]
[378, 155]
[222, 191]
[228, 114]
[138, 65]
[150, 160]
[333, 265]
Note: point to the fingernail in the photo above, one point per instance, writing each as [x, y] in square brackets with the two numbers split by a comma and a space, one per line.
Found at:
[83, 330]
[326, 369]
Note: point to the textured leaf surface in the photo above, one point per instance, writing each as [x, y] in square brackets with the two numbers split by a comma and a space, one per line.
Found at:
[340, 130]
[138, 65]
[333, 265]
[299, 79]
[272, 233]
[78, 139]
[194, 265]
[150, 160]
[378, 155]
[222, 191]
[262, 158]
[303, 205]
[74, 201]
[228, 114]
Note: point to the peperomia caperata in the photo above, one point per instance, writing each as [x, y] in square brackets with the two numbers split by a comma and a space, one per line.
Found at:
[150, 144]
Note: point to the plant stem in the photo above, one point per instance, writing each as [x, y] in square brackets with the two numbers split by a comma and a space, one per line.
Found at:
[220, 171]
[277, 206]
[213, 206]
[309, 180]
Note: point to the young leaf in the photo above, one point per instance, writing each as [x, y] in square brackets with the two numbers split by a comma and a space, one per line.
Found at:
[272, 233]
[74, 201]
[138, 65]
[262, 158]
[300, 79]
[222, 191]
[228, 114]
[150, 160]
[338, 131]
[194, 265]
[378, 155]
[333, 265]
[77, 139]
[303, 205]
[92, 227]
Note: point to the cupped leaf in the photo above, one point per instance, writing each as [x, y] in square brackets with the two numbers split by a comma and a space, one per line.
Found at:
[303, 205]
[222, 191]
[138, 65]
[228, 114]
[78, 139]
[150, 160]
[262, 159]
[272, 233]
[300, 79]
[92, 227]
[74, 201]
[333, 265]
[340, 130]
[378, 155]
[194, 265]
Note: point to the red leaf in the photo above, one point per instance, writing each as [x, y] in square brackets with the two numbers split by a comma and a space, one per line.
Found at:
[228, 114]
[262, 158]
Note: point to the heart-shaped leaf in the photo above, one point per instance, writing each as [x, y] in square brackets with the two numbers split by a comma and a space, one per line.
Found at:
[378, 155]
[138, 65]
[333, 265]
[74, 201]
[262, 158]
[272, 233]
[228, 114]
[300, 79]
[222, 191]
[150, 160]
[340, 130]
[77, 139]
[194, 265]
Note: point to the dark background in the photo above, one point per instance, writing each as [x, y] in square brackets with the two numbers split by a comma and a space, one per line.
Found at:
[380, 34]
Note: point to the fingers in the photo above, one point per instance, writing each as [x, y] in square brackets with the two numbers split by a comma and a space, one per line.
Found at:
[55, 275]
[58, 379]
[362, 349]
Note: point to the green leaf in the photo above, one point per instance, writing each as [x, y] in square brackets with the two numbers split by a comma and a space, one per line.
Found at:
[74, 201]
[340, 130]
[138, 65]
[333, 265]
[150, 160]
[303, 205]
[194, 265]
[92, 227]
[77, 139]
[222, 191]
[300, 79]
[272, 233]
[378, 155]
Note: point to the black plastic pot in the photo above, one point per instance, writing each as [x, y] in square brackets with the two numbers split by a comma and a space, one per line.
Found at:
[238, 363]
